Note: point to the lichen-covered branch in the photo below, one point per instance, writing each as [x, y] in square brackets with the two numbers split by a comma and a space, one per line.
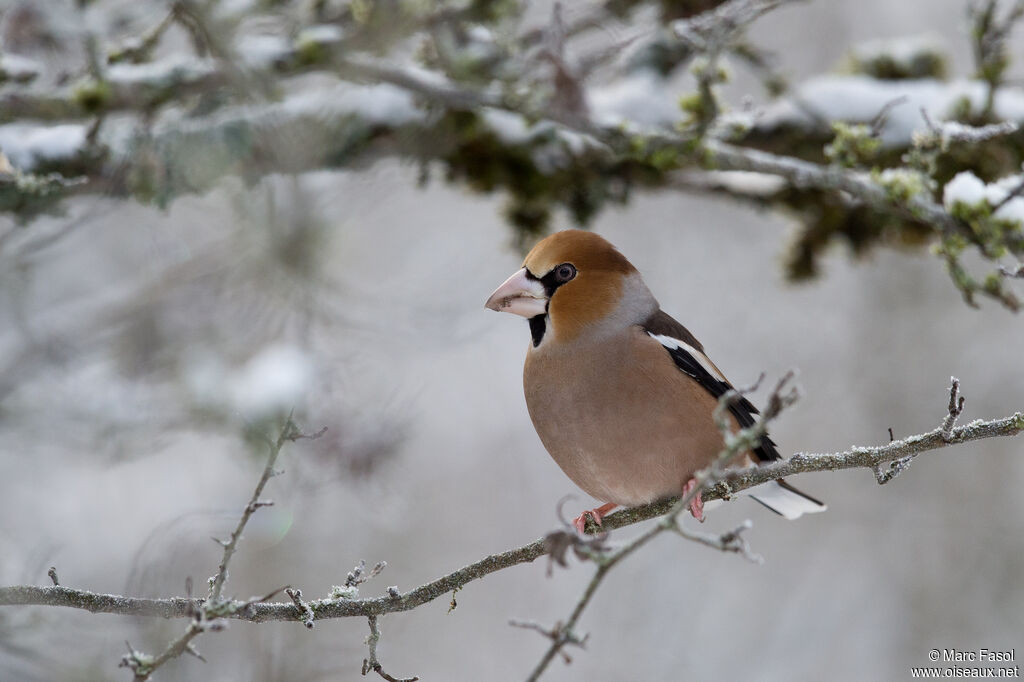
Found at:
[731, 483]
[543, 123]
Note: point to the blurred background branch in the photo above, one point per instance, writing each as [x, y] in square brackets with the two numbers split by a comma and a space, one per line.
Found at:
[469, 90]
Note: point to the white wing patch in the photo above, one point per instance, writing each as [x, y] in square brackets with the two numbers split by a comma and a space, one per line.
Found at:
[675, 344]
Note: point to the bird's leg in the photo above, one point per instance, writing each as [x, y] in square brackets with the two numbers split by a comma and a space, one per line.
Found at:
[580, 522]
[696, 504]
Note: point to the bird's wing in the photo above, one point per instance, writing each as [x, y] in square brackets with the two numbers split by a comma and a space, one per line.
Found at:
[688, 354]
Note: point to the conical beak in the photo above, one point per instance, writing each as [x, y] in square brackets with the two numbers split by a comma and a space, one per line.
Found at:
[520, 294]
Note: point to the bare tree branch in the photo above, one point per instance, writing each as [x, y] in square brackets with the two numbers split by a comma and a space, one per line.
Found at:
[209, 614]
[289, 433]
[395, 601]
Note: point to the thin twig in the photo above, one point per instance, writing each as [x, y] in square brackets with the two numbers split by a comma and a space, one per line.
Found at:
[209, 614]
[1014, 272]
[882, 117]
[307, 613]
[1017, 190]
[731, 541]
[372, 663]
[556, 633]
[956, 408]
[288, 433]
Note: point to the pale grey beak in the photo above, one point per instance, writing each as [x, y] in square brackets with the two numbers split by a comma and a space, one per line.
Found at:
[519, 295]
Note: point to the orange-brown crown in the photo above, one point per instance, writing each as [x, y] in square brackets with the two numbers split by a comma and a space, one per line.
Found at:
[597, 288]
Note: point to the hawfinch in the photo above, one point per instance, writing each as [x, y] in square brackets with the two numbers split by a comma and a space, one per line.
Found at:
[620, 393]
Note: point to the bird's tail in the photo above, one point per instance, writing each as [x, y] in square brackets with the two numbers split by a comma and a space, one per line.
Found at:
[785, 500]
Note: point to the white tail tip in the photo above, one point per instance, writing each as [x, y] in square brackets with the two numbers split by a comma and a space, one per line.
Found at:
[785, 500]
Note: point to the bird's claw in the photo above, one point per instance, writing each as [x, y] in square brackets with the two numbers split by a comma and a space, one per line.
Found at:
[580, 522]
[696, 504]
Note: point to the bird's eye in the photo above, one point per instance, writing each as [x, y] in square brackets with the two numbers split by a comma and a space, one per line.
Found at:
[565, 272]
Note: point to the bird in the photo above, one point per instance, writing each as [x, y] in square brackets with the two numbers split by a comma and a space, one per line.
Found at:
[620, 393]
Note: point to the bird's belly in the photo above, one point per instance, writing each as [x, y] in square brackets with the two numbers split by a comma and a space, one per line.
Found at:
[617, 438]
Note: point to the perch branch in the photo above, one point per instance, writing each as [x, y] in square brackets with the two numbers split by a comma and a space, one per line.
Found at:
[395, 600]
[713, 482]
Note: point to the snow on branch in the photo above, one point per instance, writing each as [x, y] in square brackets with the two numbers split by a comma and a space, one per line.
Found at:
[551, 123]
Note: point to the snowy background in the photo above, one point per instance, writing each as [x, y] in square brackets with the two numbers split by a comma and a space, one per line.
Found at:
[136, 344]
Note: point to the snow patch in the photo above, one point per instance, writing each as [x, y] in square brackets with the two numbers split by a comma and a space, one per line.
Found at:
[263, 51]
[902, 51]
[513, 129]
[639, 99]
[323, 33]
[859, 99]
[381, 103]
[27, 145]
[968, 189]
[172, 69]
[19, 69]
[964, 188]
[1012, 210]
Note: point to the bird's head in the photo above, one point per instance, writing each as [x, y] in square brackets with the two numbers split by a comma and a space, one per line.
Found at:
[574, 281]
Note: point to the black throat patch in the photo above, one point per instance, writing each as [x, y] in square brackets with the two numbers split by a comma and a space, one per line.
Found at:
[537, 328]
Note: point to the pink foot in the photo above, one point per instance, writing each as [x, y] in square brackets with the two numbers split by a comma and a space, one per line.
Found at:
[696, 504]
[580, 522]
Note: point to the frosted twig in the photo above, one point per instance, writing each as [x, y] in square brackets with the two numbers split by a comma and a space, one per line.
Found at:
[140, 48]
[372, 663]
[731, 541]
[880, 119]
[288, 433]
[896, 467]
[956, 408]
[1017, 190]
[1014, 272]
[989, 34]
[954, 131]
[557, 633]
[358, 575]
[715, 25]
[305, 612]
